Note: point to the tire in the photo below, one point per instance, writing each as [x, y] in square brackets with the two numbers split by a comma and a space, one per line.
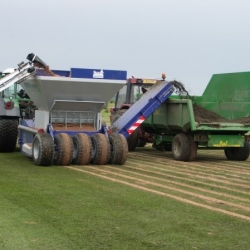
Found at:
[63, 149]
[181, 147]
[119, 149]
[193, 148]
[43, 149]
[100, 149]
[229, 153]
[82, 149]
[132, 140]
[8, 134]
[238, 154]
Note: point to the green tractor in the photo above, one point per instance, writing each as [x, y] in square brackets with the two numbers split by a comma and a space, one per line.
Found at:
[14, 104]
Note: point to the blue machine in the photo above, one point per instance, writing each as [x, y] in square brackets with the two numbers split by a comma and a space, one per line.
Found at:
[67, 127]
[142, 108]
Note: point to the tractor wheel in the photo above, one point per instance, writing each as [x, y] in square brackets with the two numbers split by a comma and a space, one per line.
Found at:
[193, 148]
[133, 138]
[63, 149]
[181, 147]
[238, 154]
[43, 149]
[82, 149]
[8, 134]
[100, 149]
[119, 149]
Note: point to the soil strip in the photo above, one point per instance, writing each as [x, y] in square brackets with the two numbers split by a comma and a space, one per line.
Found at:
[164, 194]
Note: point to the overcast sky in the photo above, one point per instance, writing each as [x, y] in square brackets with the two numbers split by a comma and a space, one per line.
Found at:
[189, 40]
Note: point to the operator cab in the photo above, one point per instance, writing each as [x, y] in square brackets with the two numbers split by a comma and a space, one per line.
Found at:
[14, 90]
[132, 91]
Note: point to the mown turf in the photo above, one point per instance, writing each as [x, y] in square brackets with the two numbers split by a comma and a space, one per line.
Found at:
[58, 208]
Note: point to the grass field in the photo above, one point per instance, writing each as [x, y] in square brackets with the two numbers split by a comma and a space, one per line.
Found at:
[152, 202]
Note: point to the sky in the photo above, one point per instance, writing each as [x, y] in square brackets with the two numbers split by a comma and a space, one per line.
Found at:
[189, 40]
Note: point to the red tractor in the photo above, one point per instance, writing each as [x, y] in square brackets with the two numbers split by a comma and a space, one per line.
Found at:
[124, 99]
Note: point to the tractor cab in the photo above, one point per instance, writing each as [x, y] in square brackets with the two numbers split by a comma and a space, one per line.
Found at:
[131, 92]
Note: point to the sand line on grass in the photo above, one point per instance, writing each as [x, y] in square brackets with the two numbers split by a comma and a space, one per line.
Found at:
[198, 182]
[176, 182]
[192, 174]
[199, 166]
[224, 163]
[181, 191]
[165, 194]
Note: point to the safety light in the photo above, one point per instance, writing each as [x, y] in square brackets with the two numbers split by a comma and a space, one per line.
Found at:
[8, 105]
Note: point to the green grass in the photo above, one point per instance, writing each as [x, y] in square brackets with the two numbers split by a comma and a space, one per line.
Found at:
[106, 113]
[58, 208]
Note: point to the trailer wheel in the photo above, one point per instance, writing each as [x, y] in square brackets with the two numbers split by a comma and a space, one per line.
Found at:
[132, 140]
[100, 149]
[63, 149]
[238, 154]
[181, 147]
[8, 134]
[193, 148]
[82, 149]
[119, 149]
[229, 153]
[43, 149]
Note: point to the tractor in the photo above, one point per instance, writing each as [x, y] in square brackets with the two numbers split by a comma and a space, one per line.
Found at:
[14, 104]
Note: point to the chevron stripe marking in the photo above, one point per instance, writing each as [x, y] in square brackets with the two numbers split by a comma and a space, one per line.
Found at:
[136, 124]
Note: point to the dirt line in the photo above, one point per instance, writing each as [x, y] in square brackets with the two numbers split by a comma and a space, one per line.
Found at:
[195, 166]
[195, 181]
[227, 165]
[181, 191]
[191, 174]
[165, 194]
[198, 172]
[198, 167]
[177, 183]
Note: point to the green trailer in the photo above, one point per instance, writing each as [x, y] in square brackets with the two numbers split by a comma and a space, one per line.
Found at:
[219, 119]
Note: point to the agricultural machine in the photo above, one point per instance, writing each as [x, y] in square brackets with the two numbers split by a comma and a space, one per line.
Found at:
[14, 104]
[66, 127]
[219, 119]
[124, 99]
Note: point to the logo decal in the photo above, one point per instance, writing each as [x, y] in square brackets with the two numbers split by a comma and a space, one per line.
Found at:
[98, 74]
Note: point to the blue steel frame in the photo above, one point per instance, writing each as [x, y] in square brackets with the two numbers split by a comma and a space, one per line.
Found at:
[145, 106]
